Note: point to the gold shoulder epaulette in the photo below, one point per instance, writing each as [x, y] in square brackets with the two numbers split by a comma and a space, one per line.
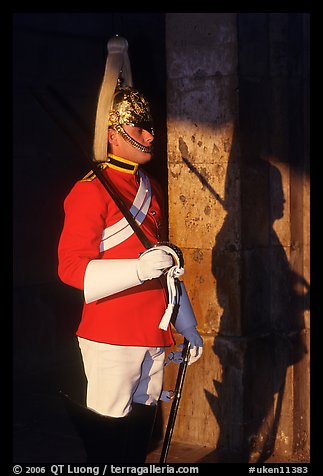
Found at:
[91, 175]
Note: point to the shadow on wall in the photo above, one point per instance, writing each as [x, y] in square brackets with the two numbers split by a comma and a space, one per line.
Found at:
[273, 301]
[256, 350]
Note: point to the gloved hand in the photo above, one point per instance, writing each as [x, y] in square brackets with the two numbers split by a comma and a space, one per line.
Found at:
[196, 341]
[152, 263]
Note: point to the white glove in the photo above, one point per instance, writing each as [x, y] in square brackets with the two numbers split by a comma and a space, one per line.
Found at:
[104, 277]
[152, 263]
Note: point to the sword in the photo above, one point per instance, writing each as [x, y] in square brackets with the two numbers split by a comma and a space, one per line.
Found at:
[175, 403]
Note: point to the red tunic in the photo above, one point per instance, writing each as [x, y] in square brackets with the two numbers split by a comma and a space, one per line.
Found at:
[130, 317]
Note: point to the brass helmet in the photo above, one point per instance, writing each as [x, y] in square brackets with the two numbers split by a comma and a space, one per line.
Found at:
[130, 107]
[119, 103]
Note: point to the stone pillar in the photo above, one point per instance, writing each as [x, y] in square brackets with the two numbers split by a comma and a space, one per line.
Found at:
[202, 112]
[239, 208]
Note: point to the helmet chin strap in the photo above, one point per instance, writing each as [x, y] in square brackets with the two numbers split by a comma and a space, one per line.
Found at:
[133, 142]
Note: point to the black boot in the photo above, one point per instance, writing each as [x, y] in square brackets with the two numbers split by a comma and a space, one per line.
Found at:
[141, 424]
[104, 437]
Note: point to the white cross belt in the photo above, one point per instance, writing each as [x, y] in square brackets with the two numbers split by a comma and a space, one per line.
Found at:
[115, 234]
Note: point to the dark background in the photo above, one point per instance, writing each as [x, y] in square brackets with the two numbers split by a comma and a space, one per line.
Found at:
[58, 65]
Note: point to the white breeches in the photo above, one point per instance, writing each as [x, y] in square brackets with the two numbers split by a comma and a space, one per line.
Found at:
[117, 375]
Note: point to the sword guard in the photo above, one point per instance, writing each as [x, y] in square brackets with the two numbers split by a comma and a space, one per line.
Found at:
[172, 249]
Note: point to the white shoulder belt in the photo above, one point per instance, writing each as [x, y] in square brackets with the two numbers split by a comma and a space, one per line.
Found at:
[115, 234]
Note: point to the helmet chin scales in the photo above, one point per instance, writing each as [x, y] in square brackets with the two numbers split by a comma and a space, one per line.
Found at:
[132, 141]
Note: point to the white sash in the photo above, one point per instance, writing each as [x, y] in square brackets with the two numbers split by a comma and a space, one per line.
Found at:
[120, 231]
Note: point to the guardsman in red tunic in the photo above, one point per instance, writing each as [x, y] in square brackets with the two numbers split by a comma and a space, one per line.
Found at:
[120, 334]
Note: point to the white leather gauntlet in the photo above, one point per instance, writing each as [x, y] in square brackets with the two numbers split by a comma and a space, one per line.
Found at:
[104, 277]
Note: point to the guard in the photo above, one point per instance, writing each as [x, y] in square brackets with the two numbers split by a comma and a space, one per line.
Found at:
[129, 292]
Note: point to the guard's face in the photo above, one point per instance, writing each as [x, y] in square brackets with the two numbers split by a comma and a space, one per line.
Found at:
[123, 148]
